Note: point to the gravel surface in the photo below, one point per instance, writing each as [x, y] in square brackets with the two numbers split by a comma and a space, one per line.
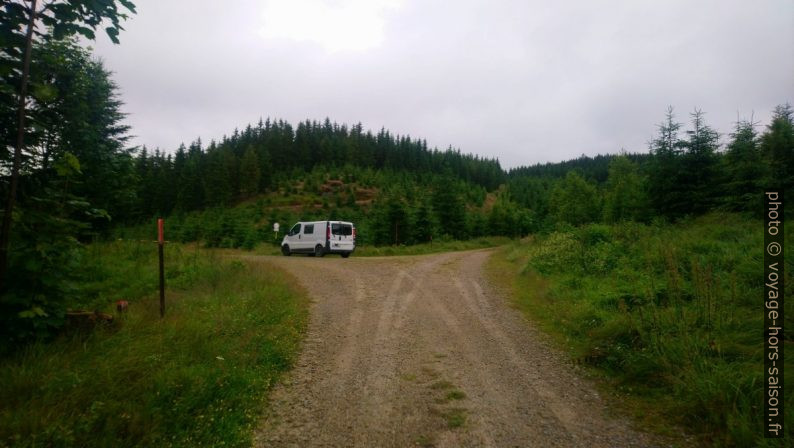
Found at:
[424, 351]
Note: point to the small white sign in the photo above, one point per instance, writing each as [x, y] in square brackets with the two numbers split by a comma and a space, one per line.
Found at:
[275, 227]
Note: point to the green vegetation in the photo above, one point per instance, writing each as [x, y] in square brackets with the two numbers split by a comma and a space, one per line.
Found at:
[62, 143]
[633, 263]
[455, 417]
[198, 377]
[669, 314]
[417, 249]
[425, 441]
[221, 174]
[80, 184]
[441, 246]
[455, 395]
[443, 384]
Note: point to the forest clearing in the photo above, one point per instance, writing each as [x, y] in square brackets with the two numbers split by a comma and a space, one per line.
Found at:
[395, 223]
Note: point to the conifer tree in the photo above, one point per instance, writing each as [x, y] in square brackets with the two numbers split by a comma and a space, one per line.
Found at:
[424, 224]
[450, 208]
[249, 173]
[626, 197]
[217, 188]
[664, 186]
[777, 144]
[746, 170]
[574, 200]
[699, 178]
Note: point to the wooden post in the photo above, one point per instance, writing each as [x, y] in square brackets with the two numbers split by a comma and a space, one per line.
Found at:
[160, 242]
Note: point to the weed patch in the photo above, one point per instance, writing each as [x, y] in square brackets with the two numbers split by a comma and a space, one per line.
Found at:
[198, 377]
[661, 310]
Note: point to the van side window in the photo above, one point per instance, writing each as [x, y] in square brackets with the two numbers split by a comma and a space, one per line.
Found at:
[308, 229]
[296, 229]
[347, 230]
[336, 229]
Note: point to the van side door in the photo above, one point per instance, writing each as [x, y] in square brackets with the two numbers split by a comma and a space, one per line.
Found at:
[306, 237]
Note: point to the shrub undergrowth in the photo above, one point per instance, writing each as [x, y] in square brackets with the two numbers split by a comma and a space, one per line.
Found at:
[671, 313]
[198, 377]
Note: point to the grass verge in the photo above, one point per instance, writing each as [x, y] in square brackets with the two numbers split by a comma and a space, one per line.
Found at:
[198, 377]
[416, 249]
[668, 315]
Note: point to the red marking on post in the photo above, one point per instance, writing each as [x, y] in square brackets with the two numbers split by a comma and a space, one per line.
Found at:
[160, 230]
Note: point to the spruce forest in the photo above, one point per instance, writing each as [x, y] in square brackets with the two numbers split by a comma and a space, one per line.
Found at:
[639, 261]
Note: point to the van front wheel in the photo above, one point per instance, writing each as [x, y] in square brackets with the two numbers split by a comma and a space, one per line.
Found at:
[285, 250]
[319, 251]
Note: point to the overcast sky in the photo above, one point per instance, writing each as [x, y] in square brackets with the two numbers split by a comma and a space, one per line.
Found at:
[524, 81]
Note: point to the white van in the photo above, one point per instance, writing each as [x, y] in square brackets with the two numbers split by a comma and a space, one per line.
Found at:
[318, 238]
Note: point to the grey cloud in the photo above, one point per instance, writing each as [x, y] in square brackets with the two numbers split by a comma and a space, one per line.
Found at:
[522, 81]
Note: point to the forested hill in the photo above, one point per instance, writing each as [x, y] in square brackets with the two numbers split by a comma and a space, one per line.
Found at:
[593, 168]
[260, 157]
[392, 182]
[263, 157]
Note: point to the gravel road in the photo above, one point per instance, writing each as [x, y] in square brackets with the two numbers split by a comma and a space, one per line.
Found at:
[424, 351]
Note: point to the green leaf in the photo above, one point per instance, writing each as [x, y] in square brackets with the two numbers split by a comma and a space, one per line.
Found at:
[36, 311]
[129, 5]
[44, 92]
[113, 34]
[67, 165]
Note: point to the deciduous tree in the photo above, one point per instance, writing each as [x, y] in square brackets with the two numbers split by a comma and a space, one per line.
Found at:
[20, 22]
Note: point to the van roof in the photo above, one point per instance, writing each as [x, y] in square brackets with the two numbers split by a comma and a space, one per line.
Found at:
[314, 222]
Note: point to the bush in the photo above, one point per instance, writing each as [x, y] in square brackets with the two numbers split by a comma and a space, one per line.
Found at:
[198, 377]
[665, 309]
[555, 253]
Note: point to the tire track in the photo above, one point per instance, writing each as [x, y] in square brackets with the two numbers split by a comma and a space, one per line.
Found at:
[384, 332]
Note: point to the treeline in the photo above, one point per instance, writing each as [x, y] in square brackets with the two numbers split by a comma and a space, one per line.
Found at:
[594, 168]
[389, 207]
[687, 173]
[445, 208]
[262, 157]
[77, 178]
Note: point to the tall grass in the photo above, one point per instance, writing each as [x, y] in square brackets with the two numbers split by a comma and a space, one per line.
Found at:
[429, 248]
[445, 245]
[198, 377]
[672, 314]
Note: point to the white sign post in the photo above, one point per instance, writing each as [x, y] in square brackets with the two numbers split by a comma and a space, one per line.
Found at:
[275, 229]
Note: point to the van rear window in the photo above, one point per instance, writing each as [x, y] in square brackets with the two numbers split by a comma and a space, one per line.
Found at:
[341, 229]
[308, 228]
